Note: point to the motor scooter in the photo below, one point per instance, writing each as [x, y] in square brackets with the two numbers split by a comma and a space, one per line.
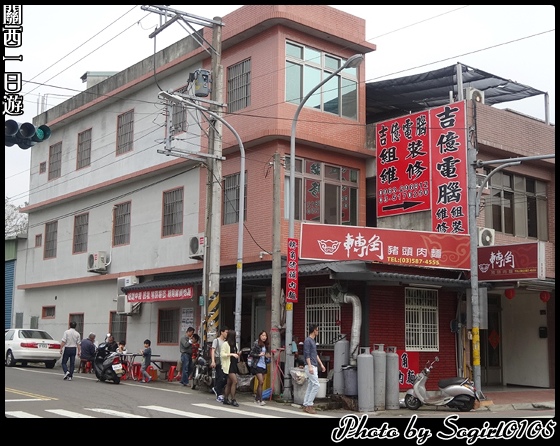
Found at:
[202, 373]
[457, 392]
[107, 365]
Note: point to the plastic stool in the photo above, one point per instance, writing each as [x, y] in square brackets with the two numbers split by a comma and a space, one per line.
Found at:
[171, 373]
[137, 370]
[85, 366]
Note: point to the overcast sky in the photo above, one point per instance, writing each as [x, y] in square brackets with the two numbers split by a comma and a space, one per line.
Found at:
[61, 43]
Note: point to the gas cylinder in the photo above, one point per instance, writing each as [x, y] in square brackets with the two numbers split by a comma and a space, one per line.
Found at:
[379, 371]
[392, 379]
[365, 380]
[341, 358]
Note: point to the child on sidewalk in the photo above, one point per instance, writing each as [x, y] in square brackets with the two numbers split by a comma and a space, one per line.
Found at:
[146, 359]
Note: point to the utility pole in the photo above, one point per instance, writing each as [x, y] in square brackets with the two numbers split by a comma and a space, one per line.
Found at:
[214, 208]
[275, 340]
[211, 262]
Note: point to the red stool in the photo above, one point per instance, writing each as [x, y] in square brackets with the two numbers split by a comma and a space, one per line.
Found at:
[85, 366]
[137, 371]
[171, 373]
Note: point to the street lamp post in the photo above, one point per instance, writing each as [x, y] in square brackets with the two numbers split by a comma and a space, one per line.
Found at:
[352, 62]
[239, 277]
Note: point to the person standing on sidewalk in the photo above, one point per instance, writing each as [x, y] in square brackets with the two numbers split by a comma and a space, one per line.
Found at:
[312, 361]
[146, 359]
[229, 356]
[220, 378]
[185, 347]
[69, 346]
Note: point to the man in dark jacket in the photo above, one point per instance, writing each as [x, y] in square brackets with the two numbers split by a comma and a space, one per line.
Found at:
[185, 347]
[88, 348]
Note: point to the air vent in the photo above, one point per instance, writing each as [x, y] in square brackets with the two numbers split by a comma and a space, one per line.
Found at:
[196, 246]
[486, 237]
[474, 94]
[97, 262]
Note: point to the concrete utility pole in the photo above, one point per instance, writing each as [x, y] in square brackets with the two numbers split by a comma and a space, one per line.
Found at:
[276, 287]
[211, 283]
[215, 188]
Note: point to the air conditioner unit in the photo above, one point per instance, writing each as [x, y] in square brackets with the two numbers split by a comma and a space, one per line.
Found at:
[486, 236]
[97, 262]
[123, 306]
[125, 281]
[196, 246]
[474, 94]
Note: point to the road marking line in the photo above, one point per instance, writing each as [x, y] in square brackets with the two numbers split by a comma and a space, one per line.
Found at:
[294, 412]
[176, 412]
[68, 413]
[236, 410]
[115, 413]
[20, 414]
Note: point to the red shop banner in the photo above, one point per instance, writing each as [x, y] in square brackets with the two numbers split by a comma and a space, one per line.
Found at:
[161, 294]
[292, 269]
[389, 246]
[511, 262]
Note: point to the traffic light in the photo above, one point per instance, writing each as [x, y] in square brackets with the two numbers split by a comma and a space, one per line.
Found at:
[25, 135]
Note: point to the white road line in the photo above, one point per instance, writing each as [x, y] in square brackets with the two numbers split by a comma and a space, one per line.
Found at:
[235, 410]
[293, 412]
[27, 400]
[176, 412]
[115, 413]
[68, 413]
[20, 414]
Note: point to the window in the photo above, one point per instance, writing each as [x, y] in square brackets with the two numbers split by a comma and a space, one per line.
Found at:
[321, 310]
[43, 167]
[168, 326]
[421, 319]
[121, 224]
[307, 67]
[119, 323]
[324, 193]
[38, 240]
[125, 132]
[173, 212]
[55, 160]
[48, 312]
[51, 234]
[179, 114]
[79, 319]
[84, 149]
[231, 199]
[517, 205]
[239, 86]
[81, 224]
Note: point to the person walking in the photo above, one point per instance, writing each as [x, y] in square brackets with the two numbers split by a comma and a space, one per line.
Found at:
[146, 359]
[195, 347]
[69, 345]
[261, 357]
[312, 361]
[216, 364]
[229, 355]
[185, 347]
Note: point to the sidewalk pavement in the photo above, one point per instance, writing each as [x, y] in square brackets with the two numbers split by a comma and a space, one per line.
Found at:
[496, 398]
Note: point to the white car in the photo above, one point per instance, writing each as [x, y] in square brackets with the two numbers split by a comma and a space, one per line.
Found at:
[26, 345]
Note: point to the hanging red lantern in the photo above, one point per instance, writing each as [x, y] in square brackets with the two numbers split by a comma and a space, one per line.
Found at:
[510, 293]
[545, 296]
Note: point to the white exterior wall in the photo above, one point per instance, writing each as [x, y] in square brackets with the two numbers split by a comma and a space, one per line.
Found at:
[525, 355]
[147, 249]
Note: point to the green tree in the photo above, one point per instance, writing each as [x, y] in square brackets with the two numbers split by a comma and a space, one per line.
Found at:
[16, 222]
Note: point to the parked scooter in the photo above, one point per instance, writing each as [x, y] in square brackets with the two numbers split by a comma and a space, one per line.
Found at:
[458, 393]
[202, 373]
[107, 365]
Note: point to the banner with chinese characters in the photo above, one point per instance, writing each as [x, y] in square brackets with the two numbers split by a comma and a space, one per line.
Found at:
[421, 162]
[511, 262]
[381, 245]
[409, 366]
[161, 294]
[292, 269]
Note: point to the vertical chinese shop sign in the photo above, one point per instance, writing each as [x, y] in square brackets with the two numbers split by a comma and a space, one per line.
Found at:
[292, 270]
[422, 165]
[448, 148]
[403, 165]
